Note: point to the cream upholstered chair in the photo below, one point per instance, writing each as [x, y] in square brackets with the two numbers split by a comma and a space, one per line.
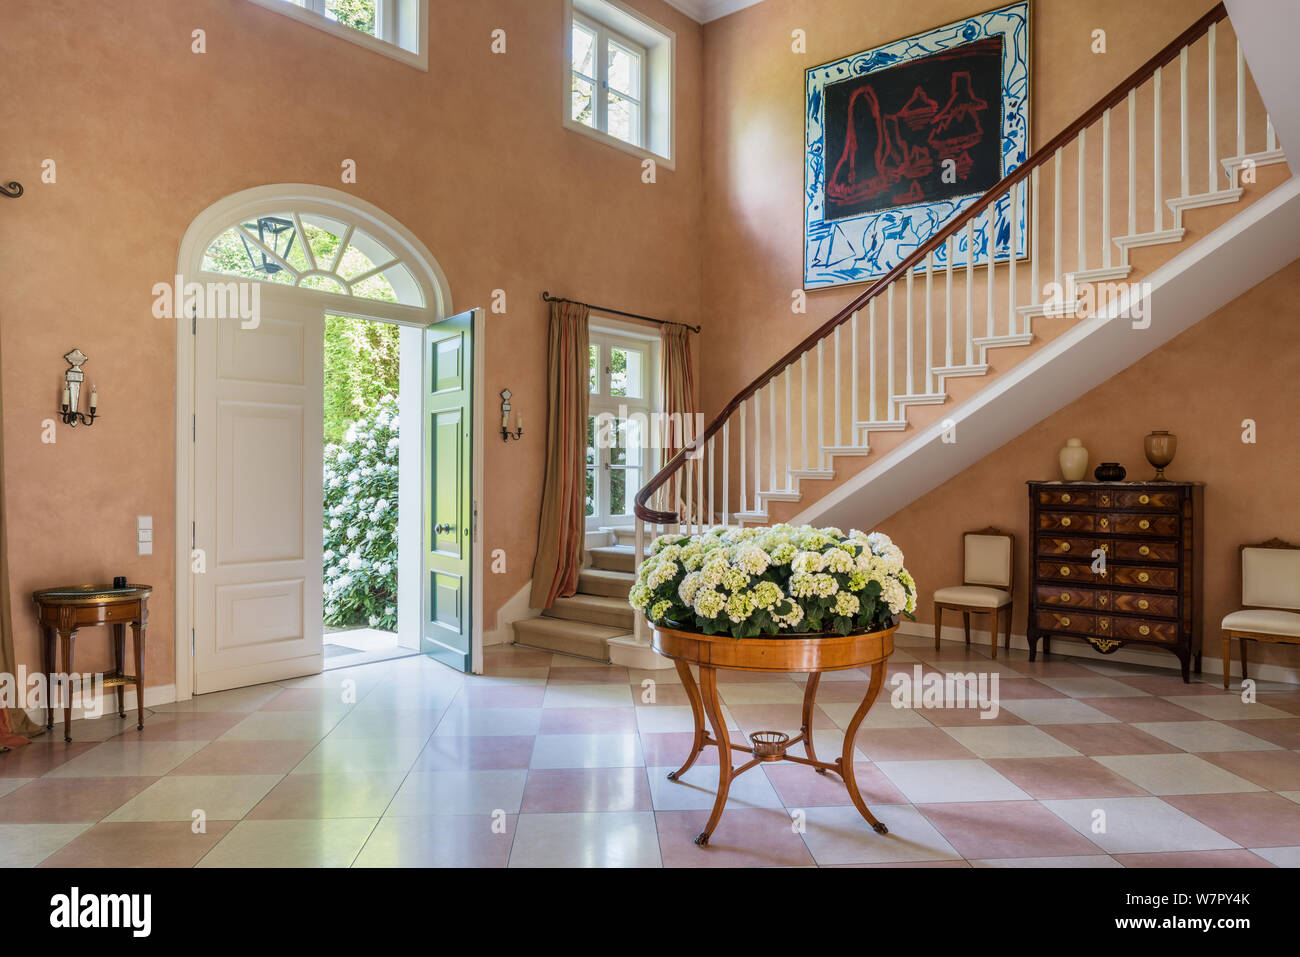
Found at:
[988, 557]
[1270, 590]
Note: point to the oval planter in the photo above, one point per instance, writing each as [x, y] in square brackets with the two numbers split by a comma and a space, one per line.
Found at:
[781, 653]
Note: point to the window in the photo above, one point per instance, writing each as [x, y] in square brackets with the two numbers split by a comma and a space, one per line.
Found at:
[619, 78]
[395, 28]
[619, 423]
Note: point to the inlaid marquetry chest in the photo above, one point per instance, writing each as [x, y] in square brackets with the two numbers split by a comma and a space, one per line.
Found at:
[1117, 563]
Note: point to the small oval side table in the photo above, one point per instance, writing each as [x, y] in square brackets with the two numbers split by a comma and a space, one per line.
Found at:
[807, 655]
[64, 611]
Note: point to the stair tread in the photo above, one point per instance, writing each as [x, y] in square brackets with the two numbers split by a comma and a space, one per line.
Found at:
[568, 628]
[604, 602]
[613, 550]
[607, 574]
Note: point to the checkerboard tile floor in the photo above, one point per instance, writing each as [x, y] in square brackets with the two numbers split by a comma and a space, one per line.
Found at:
[553, 761]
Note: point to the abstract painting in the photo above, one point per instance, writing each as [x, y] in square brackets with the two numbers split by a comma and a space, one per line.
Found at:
[902, 138]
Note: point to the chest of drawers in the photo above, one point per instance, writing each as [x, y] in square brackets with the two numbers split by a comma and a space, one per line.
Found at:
[1117, 563]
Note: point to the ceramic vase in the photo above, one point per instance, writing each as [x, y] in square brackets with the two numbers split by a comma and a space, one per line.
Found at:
[1160, 447]
[1074, 461]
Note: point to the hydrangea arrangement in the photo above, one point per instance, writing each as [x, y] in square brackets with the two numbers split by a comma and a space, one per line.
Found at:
[775, 581]
[361, 521]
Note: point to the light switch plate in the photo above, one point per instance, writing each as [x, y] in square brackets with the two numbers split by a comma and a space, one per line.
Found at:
[144, 534]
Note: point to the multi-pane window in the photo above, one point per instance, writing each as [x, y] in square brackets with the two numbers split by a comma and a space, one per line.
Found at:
[608, 81]
[618, 423]
[396, 28]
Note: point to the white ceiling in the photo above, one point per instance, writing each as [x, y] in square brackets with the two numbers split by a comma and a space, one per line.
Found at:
[705, 10]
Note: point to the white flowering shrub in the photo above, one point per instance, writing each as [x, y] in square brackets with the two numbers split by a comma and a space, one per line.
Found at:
[361, 521]
[774, 581]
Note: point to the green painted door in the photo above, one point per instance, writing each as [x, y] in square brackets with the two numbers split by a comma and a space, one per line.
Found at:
[448, 505]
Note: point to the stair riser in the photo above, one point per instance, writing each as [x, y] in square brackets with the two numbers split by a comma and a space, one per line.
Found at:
[591, 585]
[614, 563]
[592, 616]
[576, 645]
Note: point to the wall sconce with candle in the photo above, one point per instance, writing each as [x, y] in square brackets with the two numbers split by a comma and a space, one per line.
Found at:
[506, 434]
[70, 407]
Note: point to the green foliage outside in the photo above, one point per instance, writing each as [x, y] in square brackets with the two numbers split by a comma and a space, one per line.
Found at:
[357, 14]
[361, 367]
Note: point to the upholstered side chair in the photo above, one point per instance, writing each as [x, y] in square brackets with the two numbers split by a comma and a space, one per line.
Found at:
[988, 557]
[1270, 592]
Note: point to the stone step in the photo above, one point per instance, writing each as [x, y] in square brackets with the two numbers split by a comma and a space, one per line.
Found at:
[576, 638]
[602, 581]
[615, 558]
[623, 536]
[593, 609]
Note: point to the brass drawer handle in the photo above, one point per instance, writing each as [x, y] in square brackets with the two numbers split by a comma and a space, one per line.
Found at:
[1105, 523]
[1143, 630]
[1144, 550]
[1104, 623]
[1101, 600]
[1065, 623]
[1065, 571]
[1144, 524]
[1143, 576]
[1105, 500]
[1143, 604]
[1065, 522]
[1066, 498]
[1144, 499]
[1065, 546]
[1065, 596]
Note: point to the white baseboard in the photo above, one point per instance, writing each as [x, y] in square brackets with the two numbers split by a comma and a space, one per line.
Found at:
[515, 609]
[153, 697]
[1133, 655]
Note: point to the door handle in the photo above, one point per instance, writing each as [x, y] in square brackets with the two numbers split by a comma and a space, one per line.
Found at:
[443, 529]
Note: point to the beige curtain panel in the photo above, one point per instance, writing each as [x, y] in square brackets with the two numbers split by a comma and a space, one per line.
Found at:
[677, 373]
[15, 721]
[564, 494]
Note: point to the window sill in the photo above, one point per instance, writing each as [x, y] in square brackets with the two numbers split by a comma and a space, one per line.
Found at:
[665, 162]
[418, 60]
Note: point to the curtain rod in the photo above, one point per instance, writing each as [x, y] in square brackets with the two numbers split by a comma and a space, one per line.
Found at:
[547, 297]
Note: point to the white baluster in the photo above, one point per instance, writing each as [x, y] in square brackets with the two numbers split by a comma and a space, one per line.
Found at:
[853, 379]
[1033, 230]
[1213, 137]
[1270, 134]
[711, 481]
[871, 349]
[929, 325]
[1157, 188]
[789, 437]
[1014, 207]
[771, 431]
[1132, 163]
[1105, 188]
[803, 406]
[889, 354]
[970, 291]
[1241, 101]
[908, 376]
[1082, 217]
[821, 402]
[835, 391]
[758, 445]
[1184, 152]
[726, 472]
[744, 459]
[991, 239]
[950, 248]
[1057, 239]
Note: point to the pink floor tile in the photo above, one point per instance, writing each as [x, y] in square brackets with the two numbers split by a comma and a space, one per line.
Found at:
[588, 721]
[744, 837]
[69, 799]
[969, 717]
[1057, 778]
[669, 695]
[1054, 668]
[42, 755]
[1169, 685]
[480, 753]
[1194, 859]
[246, 757]
[801, 786]
[1143, 709]
[1275, 770]
[503, 696]
[910, 744]
[308, 699]
[1097, 739]
[669, 749]
[1284, 732]
[1282, 700]
[587, 789]
[1001, 829]
[187, 725]
[147, 844]
[600, 674]
[777, 717]
[1016, 689]
[1257, 819]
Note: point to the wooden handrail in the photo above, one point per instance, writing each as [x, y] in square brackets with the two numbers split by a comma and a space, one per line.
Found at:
[1139, 76]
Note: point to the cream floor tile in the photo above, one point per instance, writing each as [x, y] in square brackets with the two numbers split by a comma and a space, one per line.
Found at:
[468, 722]
[840, 835]
[128, 757]
[697, 789]
[1291, 795]
[1228, 707]
[1088, 860]
[1099, 687]
[459, 792]
[1204, 736]
[12, 784]
[26, 845]
[1281, 856]
[829, 745]
[441, 841]
[283, 725]
[664, 676]
[1137, 825]
[1010, 741]
[882, 714]
[660, 719]
[1056, 711]
[352, 755]
[319, 843]
[939, 782]
[240, 699]
[387, 724]
[587, 751]
[610, 839]
[588, 696]
[1176, 774]
[408, 697]
[178, 797]
[309, 796]
[761, 692]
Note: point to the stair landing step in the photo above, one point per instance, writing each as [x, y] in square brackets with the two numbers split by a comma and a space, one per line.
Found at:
[614, 557]
[601, 610]
[576, 638]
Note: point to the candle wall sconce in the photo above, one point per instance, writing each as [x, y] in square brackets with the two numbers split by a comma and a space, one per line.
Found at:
[70, 407]
[506, 434]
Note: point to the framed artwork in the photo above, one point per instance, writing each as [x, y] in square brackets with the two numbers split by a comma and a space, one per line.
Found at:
[902, 138]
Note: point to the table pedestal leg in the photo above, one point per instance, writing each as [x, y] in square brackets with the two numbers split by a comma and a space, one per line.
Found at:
[697, 711]
[66, 639]
[809, 696]
[50, 664]
[139, 627]
[709, 689]
[119, 665]
[850, 734]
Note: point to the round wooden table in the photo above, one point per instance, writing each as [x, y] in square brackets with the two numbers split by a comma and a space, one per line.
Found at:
[802, 655]
[63, 611]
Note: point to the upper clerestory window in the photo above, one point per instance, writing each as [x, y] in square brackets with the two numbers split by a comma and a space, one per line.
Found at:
[395, 28]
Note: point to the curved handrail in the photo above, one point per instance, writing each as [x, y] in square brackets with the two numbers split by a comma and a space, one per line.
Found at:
[940, 238]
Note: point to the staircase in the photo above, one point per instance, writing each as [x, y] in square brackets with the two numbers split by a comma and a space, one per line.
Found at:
[1164, 201]
[585, 624]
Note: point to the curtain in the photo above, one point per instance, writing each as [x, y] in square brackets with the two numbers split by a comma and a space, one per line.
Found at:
[677, 374]
[564, 494]
[13, 724]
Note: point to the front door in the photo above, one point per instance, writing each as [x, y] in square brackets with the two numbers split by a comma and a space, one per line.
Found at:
[447, 632]
[258, 433]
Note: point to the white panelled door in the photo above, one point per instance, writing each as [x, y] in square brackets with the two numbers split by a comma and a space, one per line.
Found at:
[258, 440]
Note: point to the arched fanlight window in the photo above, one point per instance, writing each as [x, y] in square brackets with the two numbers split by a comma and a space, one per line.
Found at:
[313, 251]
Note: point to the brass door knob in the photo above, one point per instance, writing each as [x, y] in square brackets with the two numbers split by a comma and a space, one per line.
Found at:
[1143, 630]
[1143, 603]
[1143, 576]
[1066, 498]
[1065, 522]
[1144, 524]
[1144, 550]
[1144, 499]
[1065, 571]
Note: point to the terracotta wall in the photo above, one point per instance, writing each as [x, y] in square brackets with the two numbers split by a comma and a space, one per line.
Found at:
[470, 156]
[1242, 362]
